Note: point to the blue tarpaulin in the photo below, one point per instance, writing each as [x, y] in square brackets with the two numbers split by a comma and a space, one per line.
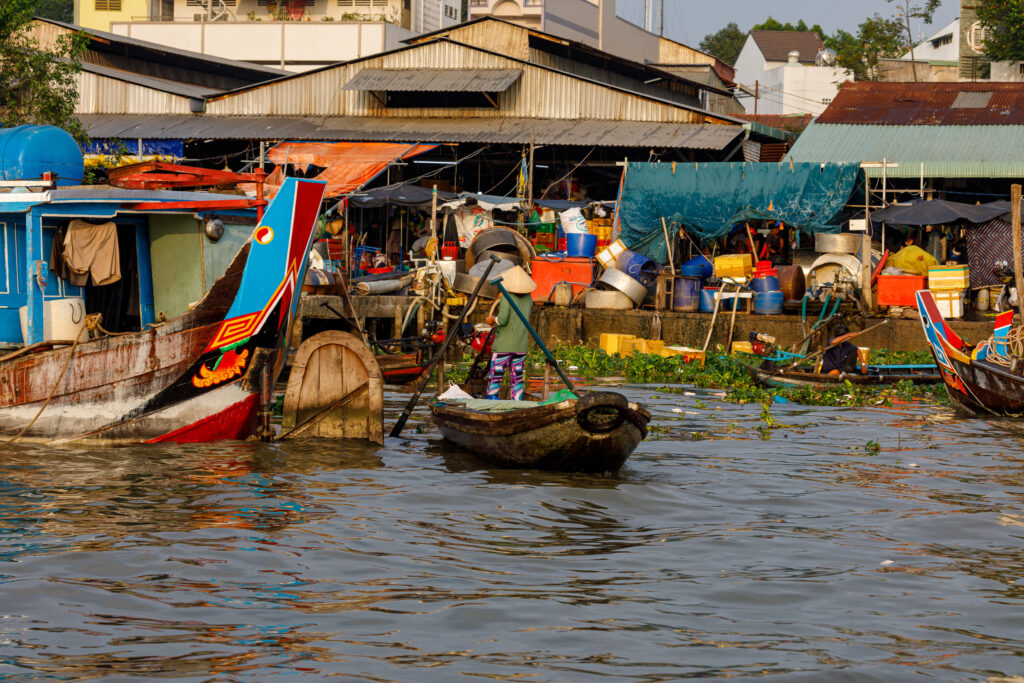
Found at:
[709, 199]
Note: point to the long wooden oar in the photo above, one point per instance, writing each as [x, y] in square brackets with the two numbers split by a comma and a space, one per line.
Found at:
[551, 359]
[404, 417]
[830, 346]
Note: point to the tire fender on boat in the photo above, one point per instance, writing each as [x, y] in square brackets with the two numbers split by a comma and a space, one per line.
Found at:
[600, 412]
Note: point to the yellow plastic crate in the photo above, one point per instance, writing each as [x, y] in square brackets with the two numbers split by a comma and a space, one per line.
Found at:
[688, 354]
[949, 278]
[650, 346]
[621, 344]
[742, 347]
[734, 265]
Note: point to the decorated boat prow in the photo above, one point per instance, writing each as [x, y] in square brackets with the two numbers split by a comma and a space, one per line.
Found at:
[985, 378]
[197, 377]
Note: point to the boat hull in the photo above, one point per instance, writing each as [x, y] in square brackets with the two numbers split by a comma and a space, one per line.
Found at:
[796, 379]
[545, 437]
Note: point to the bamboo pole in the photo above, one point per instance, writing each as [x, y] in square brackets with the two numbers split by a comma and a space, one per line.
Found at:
[1018, 270]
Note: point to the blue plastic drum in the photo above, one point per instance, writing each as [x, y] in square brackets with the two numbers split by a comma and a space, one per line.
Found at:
[687, 294]
[765, 283]
[768, 303]
[638, 267]
[707, 299]
[698, 266]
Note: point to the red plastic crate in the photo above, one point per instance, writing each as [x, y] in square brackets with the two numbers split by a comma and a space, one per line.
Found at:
[900, 290]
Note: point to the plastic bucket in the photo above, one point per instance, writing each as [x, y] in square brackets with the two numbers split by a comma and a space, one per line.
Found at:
[580, 244]
[768, 303]
[707, 299]
[638, 267]
[686, 296]
[765, 283]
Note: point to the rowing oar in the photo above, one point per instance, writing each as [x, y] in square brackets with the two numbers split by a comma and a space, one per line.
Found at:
[551, 359]
[830, 346]
[404, 417]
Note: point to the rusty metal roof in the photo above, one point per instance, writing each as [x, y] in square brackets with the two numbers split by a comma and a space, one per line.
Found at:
[600, 133]
[435, 80]
[776, 45]
[927, 104]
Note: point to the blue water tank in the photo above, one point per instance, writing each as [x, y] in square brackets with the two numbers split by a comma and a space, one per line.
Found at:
[27, 152]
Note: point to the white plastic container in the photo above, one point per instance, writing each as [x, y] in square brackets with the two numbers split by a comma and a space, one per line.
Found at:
[610, 254]
[950, 304]
[62, 319]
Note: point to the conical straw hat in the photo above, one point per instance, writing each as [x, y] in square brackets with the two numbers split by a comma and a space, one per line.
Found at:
[516, 281]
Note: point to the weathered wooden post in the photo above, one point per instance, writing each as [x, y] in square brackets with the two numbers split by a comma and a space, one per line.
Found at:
[1018, 270]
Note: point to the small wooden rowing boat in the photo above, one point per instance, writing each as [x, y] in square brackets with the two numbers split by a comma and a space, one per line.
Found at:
[595, 433]
[875, 375]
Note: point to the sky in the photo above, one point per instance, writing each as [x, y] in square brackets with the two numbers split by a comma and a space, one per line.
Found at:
[688, 21]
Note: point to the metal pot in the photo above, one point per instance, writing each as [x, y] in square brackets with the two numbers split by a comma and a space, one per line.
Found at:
[616, 279]
[467, 283]
[841, 243]
[514, 256]
[502, 240]
[613, 300]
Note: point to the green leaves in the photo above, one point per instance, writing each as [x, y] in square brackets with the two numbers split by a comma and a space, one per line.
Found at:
[1004, 29]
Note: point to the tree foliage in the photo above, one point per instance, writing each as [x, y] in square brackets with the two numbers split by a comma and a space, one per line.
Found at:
[39, 86]
[772, 24]
[61, 10]
[1004, 29]
[877, 38]
[726, 43]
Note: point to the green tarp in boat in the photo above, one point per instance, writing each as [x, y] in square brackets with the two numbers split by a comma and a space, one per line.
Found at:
[708, 199]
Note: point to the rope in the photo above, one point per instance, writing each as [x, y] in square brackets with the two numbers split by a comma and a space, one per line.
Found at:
[1014, 343]
[92, 322]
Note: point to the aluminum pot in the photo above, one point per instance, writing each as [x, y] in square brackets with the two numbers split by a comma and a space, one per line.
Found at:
[512, 256]
[616, 279]
[502, 240]
[467, 283]
[840, 243]
[596, 298]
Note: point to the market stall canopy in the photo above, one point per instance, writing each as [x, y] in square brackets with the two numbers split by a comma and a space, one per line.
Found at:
[937, 212]
[491, 202]
[400, 195]
[709, 199]
[347, 165]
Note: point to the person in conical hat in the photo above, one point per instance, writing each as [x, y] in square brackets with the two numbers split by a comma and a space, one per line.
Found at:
[511, 338]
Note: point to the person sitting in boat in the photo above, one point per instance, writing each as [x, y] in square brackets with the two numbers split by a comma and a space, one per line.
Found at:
[511, 338]
[841, 358]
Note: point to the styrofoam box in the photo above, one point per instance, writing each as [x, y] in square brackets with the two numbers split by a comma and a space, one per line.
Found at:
[950, 304]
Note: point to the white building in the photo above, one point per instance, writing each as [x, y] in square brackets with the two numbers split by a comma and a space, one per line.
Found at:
[941, 46]
[778, 73]
[296, 35]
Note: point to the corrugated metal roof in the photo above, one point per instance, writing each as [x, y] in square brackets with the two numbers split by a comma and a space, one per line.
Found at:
[435, 80]
[599, 133]
[946, 151]
[776, 45]
[161, 84]
[927, 104]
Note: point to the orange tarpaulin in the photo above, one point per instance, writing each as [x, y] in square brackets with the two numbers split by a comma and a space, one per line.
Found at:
[347, 165]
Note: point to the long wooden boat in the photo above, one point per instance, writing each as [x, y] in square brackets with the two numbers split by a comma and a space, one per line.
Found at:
[975, 382]
[196, 377]
[876, 375]
[596, 433]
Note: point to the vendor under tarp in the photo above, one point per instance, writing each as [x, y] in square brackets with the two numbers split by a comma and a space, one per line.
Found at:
[708, 199]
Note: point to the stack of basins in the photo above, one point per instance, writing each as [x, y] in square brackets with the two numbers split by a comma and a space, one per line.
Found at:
[768, 297]
[625, 283]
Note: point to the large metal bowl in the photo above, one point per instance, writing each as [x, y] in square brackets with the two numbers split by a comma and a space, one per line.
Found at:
[467, 283]
[501, 240]
[608, 300]
[616, 279]
[840, 243]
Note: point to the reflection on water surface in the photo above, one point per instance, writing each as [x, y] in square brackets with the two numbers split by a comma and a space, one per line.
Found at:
[865, 544]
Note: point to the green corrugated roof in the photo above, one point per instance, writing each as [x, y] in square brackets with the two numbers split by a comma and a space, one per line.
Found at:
[945, 151]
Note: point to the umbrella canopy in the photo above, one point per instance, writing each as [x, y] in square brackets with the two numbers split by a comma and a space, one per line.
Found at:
[402, 195]
[936, 212]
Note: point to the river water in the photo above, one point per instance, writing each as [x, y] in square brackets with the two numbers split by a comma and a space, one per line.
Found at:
[871, 544]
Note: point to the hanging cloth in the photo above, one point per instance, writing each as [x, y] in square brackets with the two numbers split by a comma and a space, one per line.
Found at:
[93, 250]
[59, 266]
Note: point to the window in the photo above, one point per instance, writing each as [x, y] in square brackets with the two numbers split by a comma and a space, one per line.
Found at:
[479, 3]
[259, 3]
[451, 12]
[943, 40]
[202, 3]
[108, 5]
[362, 3]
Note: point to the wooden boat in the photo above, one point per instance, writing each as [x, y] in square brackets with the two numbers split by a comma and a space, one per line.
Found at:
[596, 433]
[196, 377]
[805, 376]
[979, 379]
[402, 368]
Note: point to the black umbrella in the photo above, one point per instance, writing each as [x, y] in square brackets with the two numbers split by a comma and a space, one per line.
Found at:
[937, 212]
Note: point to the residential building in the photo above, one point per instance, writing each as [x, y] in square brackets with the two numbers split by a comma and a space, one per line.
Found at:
[290, 34]
[780, 72]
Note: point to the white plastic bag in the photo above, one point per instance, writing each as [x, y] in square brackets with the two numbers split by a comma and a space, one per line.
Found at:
[573, 221]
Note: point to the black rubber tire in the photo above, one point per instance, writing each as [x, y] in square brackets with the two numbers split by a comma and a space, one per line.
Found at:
[600, 412]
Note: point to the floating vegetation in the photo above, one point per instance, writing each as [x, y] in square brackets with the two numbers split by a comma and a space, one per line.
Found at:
[727, 372]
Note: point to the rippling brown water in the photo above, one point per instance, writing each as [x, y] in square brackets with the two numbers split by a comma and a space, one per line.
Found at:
[800, 554]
